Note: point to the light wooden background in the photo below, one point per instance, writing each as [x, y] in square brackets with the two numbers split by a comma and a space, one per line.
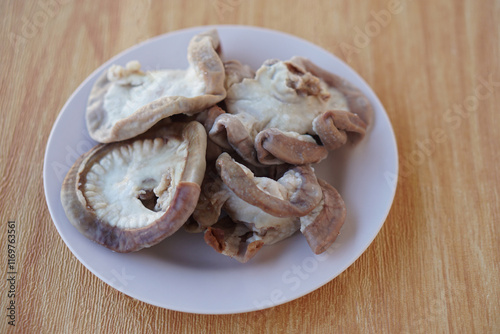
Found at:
[434, 267]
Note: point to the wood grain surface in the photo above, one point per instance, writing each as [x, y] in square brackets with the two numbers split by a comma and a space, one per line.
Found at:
[435, 65]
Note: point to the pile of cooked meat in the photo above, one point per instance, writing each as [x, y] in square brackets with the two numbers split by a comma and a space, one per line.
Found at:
[216, 149]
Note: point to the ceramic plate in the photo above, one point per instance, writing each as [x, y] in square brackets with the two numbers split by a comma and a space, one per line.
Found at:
[183, 273]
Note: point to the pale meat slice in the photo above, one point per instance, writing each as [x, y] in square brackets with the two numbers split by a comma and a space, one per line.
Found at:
[337, 126]
[135, 193]
[238, 217]
[288, 114]
[126, 101]
[240, 212]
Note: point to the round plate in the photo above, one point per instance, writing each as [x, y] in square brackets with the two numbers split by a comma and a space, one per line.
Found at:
[182, 272]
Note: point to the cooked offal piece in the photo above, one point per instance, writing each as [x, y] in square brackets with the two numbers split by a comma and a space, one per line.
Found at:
[278, 115]
[262, 211]
[125, 101]
[133, 194]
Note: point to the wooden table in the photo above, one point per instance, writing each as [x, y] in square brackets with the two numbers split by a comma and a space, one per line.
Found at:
[433, 268]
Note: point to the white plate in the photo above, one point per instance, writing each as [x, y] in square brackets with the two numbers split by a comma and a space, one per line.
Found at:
[183, 273]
